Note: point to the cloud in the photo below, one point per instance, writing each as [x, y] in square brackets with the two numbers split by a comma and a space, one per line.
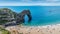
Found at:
[10, 0]
[28, 1]
[52, 0]
[31, 3]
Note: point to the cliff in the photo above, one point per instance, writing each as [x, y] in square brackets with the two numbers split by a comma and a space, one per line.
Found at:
[9, 17]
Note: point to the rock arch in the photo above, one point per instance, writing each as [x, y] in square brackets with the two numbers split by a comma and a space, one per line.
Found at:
[22, 15]
[19, 18]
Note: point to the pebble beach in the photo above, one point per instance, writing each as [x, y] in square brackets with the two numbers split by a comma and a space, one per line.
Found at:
[48, 29]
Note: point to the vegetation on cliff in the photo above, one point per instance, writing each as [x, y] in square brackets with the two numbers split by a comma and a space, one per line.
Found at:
[4, 31]
[5, 14]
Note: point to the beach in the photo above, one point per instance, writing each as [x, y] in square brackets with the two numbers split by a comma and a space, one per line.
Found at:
[47, 29]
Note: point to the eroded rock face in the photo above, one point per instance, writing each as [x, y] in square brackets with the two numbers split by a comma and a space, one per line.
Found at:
[8, 17]
[22, 15]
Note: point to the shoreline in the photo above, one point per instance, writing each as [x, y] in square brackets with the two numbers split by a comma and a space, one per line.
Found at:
[48, 29]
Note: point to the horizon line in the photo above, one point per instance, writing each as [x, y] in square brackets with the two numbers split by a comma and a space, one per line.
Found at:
[29, 4]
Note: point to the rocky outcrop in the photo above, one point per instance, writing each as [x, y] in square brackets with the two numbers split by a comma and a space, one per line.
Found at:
[21, 16]
[8, 17]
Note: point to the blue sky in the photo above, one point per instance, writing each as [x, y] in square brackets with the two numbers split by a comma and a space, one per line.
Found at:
[29, 2]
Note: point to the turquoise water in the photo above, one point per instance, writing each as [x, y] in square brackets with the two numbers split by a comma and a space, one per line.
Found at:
[41, 15]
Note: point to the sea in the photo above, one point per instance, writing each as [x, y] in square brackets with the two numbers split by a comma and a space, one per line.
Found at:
[41, 15]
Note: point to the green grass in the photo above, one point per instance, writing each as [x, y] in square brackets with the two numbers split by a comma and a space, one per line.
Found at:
[4, 31]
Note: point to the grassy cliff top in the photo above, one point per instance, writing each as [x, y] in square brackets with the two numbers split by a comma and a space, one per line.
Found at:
[4, 31]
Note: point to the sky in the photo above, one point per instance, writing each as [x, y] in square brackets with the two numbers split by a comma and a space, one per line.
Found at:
[29, 2]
